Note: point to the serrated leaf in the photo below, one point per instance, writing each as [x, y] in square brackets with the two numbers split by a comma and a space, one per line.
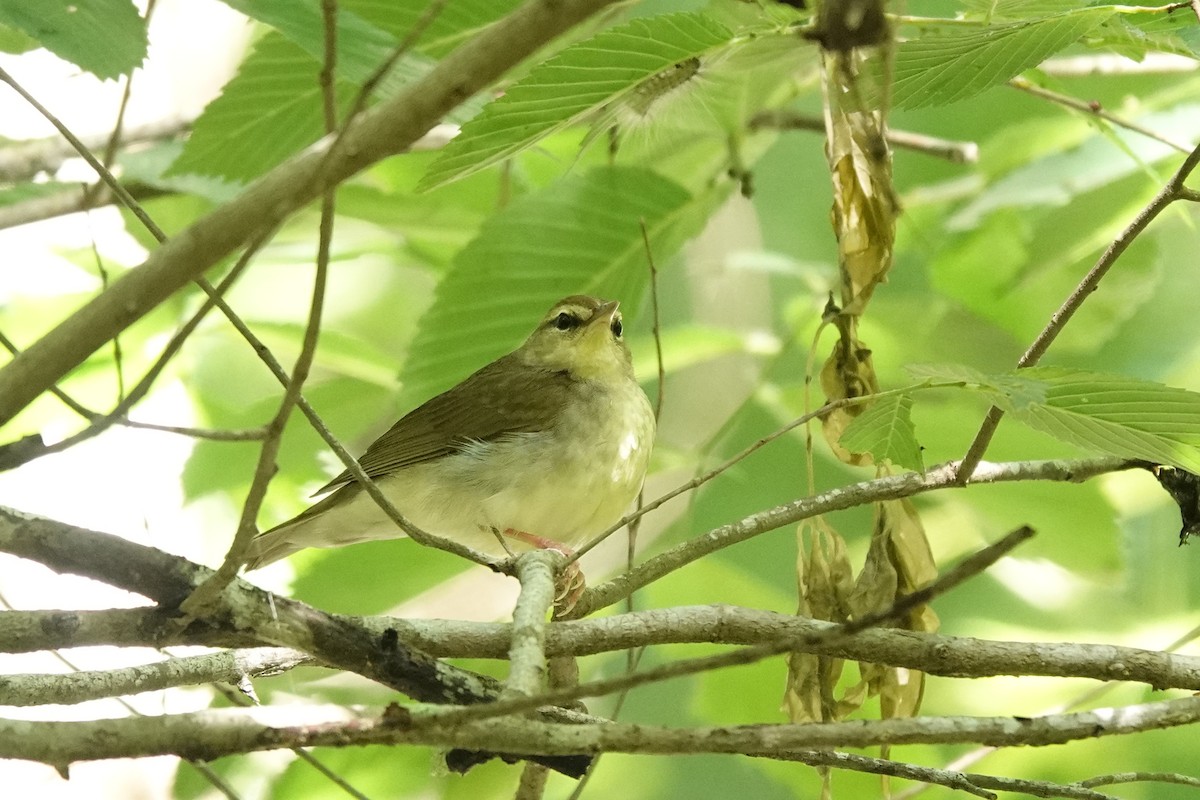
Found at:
[361, 47]
[455, 23]
[885, 430]
[1015, 390]
[104, 37]
[572, 84]
[272, 107]
[581, 234]
[268, 111]
[1017, 9]
[1117, 415]
[945, 68]
[1134, 36]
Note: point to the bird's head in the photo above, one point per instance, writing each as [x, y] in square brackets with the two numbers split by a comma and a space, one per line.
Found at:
[581, 335]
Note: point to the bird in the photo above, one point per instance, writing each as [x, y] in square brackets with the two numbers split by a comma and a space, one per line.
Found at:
[546, 447]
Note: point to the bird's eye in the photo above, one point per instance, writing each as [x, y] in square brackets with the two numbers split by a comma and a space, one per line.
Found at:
[566, 322]
[616, 327]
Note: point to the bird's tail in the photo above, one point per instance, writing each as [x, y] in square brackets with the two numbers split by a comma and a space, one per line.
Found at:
[270, 546]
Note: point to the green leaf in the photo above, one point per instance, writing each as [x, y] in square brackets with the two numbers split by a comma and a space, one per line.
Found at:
[454, 24]
[574, 83]
[152, 166]
[580, 235]
[268, 111]
[885, 430]
[1017, 9]
[1017, 390]
[15, 42]
[1135, 36]
[361, 47]
[272, 107]
[104, 37]
[1117, 415]
[942, 69]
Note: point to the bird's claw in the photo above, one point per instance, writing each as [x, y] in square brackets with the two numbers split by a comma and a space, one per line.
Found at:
[569, 585]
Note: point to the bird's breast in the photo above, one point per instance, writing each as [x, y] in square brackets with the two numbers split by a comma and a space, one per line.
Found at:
[577, 478]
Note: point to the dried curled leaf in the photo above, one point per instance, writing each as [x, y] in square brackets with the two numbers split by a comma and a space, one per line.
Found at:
[899, 558]
[847, 373]
[823, 576]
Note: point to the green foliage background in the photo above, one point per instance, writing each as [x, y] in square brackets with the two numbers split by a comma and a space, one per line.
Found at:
[444, 260]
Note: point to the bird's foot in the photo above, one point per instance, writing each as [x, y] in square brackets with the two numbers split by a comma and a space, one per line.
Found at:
[568, 586]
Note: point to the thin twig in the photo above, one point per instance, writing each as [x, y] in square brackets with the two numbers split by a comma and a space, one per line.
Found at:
[203, 598]
[892, 487]
[244, 435]
[947, 149]
[978, 785]
[422, 23]
[1142, 777]
[1094, 109]
[1172, 191]
[237, 698]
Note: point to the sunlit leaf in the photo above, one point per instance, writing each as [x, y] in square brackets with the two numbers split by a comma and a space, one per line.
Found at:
[105, 37]
[270, 109]
[1118, 415]
[455, 23]
[948, 67]
[361, 47]
[573, 83]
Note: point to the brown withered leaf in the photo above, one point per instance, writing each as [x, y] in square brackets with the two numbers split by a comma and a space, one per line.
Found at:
[899, 560]
[864, 222]
[911, 556]
[823, 576]
[848, 372]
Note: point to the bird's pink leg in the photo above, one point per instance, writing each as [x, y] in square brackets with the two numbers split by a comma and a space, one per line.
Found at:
[571, 583]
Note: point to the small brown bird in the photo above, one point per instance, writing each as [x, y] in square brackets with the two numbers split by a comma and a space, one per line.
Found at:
[547, 446]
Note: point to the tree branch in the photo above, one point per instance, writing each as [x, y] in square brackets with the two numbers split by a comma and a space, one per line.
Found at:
[227, 666]
[205, 735]
[21, 161]
[246, 610]
[892, 487]
[953, 151]
[936, 654]
[972, 783]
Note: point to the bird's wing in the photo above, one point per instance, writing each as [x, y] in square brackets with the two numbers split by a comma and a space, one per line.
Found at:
[502, 398]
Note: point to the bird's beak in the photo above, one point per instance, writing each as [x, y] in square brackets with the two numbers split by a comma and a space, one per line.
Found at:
[604, 314]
